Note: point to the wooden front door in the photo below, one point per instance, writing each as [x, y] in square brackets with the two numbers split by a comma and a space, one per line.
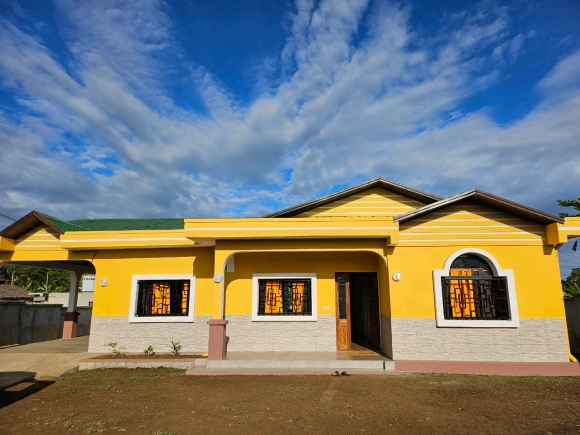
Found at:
[342, 311]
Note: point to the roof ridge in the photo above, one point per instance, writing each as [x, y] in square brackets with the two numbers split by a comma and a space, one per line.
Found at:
[375, 182]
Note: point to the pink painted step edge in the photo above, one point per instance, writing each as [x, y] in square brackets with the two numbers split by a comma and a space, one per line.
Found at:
[491, 368]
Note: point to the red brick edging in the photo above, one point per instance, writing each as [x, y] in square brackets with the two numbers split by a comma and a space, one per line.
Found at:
[137, 360]
[267, 372]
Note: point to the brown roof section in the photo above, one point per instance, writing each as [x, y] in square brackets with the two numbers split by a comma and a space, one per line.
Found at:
[26, 223]
[377, 182]
[8, 291]
[487, 199]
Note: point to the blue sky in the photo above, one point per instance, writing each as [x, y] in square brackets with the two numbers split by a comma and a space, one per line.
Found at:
[238, 108]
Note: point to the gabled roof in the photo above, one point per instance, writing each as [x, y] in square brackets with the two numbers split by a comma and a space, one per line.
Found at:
[377, 182]
[487, 199]
[34, 219]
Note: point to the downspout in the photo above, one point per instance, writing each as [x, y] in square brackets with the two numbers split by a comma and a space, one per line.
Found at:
[572, 358]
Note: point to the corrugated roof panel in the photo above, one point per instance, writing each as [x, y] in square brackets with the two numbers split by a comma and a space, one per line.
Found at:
[127, 224]
[63, 225]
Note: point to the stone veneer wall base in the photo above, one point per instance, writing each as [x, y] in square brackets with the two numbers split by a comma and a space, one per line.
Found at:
[135, 337]
[241, 335]
[536, 340]
[244, 335]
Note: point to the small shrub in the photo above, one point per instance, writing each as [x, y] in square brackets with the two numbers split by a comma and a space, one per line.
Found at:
[175, 347]
[149, 351]
[115, 350]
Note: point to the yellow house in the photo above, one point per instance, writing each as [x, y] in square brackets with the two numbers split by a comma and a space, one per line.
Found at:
[472, 277]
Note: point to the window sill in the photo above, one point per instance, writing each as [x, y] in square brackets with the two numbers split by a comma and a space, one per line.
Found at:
[256, 318]
[445, 323]
[162, 319]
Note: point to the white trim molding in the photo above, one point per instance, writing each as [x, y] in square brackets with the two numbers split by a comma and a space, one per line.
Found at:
[189, 230]
[133, 318]
[514, 322]
[255, 293]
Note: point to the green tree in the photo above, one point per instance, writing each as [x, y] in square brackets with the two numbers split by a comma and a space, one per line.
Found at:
[574, 203]
[571, 285]
[35, 279]
[7, 273]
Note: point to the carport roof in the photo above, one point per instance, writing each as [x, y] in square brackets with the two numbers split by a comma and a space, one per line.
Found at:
[128, 224]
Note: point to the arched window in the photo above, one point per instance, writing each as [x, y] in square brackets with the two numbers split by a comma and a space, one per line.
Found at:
[472, 292]
[472, 263]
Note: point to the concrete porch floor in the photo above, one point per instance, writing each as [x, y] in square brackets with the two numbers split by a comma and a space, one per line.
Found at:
[41, 360]
[311, 356]
[295, 362]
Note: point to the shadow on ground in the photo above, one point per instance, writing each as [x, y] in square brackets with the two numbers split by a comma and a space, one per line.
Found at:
[15, 386]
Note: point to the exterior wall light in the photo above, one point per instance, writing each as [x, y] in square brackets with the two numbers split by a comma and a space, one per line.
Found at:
[397, 276]
[217, 278]
[104, 282]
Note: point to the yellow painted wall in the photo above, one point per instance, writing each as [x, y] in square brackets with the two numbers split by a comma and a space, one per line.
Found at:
[468, 223]
[324, 264]
[118, 266]
[384, 288]
[426, 242]
[373, 202]
[44, 254]
[42, 244]
[42, 237]
[536, 274]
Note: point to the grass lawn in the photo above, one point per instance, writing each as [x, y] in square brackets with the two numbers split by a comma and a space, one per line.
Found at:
[164, 401]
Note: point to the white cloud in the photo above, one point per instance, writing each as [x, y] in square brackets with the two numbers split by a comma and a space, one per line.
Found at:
[563, 78]
[98, 135]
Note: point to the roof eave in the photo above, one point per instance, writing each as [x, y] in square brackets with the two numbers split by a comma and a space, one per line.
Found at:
[485, 198]
[27, 222]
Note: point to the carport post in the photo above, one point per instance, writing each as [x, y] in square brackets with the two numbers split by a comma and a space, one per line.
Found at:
[71, 317]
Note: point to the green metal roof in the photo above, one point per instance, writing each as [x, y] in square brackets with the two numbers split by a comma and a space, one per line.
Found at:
[116, 224]
[34, 218]
[63, 225]
[125, 224]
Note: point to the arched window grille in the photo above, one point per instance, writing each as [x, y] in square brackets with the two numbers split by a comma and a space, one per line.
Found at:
[472, 292]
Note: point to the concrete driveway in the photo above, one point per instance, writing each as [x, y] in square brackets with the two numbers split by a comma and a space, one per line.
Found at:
[41, 360]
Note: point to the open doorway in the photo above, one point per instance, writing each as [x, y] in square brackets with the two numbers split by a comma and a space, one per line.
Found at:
[358, 318]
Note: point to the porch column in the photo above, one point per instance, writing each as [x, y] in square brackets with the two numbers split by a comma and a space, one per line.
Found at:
[216, 348]
[71, 317]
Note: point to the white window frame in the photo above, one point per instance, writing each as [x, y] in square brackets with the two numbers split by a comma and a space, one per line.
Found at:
[266, 318]
[514, 322]
[133, 318]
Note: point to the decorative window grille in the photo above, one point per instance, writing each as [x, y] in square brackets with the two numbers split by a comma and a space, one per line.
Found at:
[284, 297]
[162, 298]
[473, 293]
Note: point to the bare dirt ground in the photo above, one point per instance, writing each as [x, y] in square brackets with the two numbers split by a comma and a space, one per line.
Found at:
[164, 401]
